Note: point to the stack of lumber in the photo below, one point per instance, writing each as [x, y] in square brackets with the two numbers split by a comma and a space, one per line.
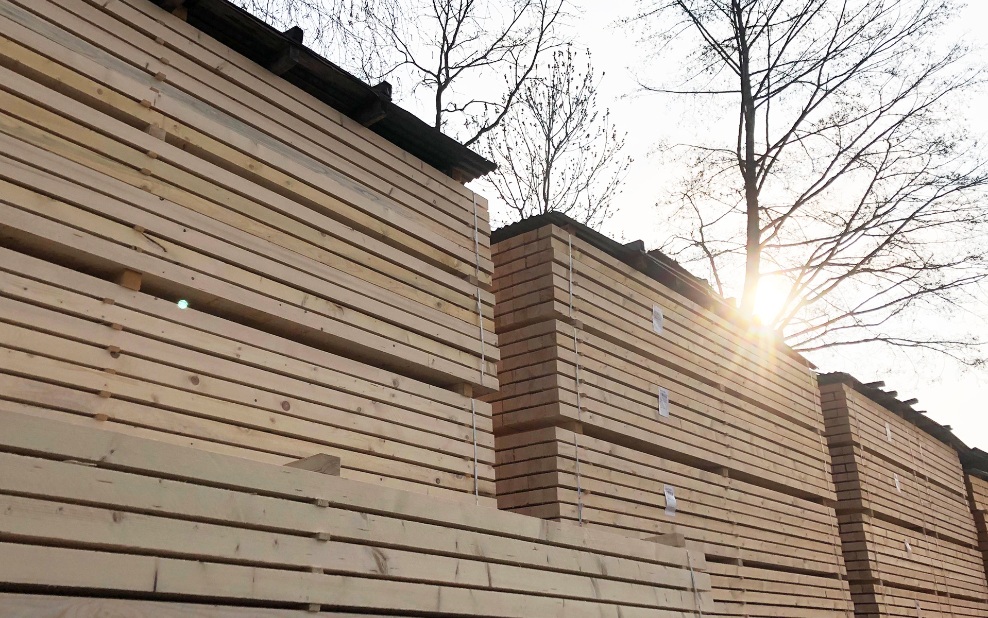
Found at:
[337, 289]
[977, 486]
[97, 524]
[907, 533]
[682, 424]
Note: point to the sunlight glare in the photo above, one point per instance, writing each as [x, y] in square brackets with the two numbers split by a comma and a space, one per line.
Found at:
[770, 298]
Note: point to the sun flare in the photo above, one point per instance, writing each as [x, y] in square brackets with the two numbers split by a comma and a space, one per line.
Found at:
[770, 298]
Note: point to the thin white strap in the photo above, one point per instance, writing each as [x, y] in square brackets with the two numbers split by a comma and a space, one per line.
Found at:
[570, 275]
[483, 351]
[579, 402]
[480, 312]
[834, 530]
[696, 593]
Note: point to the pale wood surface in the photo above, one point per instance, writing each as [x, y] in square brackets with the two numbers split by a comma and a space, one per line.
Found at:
[789, 547]
[236, 198]
[742, 446]
[978, 496]
[188, 373]
[256, 531]
[907, 531]
[736, 400]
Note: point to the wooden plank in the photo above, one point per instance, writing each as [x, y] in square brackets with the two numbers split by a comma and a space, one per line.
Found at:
[582, 434]
[81, 410]
[47, 606]
[165, 247]
[38, 437]
[793, 543]
[35, 520]
[349, 241]
[593, 270]
[322, 463]
[360, 207]
[899, 442]
[158, 577]
[172, 504]
[25, 230]
[612, 388]
[622, 389]
[625, 488]
[207, 362]
[195, 329]
[177, 36]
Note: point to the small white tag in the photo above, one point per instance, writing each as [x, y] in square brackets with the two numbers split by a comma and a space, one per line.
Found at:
[670, 493]
[909, 548]
[898, 487]
[919, 610]
[888, 432]
[663, 402]
[657, 319]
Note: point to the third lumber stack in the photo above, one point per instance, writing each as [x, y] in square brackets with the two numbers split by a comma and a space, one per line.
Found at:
[906, 527]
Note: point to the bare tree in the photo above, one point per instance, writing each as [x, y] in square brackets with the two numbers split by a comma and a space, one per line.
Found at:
[466, 60]
[842, 172]
[555, 150]
[472, 57]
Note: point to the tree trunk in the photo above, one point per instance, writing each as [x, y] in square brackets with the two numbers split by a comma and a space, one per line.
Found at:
[753, 251]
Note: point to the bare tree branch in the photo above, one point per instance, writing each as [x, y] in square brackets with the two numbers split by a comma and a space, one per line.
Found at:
[845, 173]
[556, 151]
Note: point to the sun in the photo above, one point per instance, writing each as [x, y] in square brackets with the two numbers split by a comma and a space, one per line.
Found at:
[771, 298]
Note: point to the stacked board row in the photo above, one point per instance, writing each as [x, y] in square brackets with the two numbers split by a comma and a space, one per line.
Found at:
[733, 400]
[93, 523]
[978, 495]
[909, 540]
[195, 250]
[625, 405]
[767, 553]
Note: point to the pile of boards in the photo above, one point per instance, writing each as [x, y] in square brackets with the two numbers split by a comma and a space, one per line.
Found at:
[165, 530]
[629, 406]
[977, 486]
[195, 251]
[908, 536]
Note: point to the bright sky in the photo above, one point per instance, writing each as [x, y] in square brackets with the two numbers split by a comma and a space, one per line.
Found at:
[950, 395]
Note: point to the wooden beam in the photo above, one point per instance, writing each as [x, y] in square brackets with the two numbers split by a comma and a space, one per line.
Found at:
[320, 462]
[285, 61]
[130, 279]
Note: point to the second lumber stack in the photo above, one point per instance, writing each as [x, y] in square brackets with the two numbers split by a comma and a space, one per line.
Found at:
[907, 531]
[629, 402]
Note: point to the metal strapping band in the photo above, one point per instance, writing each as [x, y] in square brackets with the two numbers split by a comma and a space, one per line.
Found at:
[483, 351]
[929, 501]
[833, 524]
[579, 488]
[579, 403]
[696, 593]
[476, 478]
[869, 496]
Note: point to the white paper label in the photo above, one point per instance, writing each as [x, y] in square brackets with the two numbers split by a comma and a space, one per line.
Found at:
[909, 548]
[657, 319]
[670, 493]
[663, 402]
[888, 432]
[898, 487]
